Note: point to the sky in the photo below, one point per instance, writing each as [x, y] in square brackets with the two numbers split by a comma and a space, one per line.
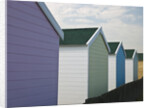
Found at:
[119, 23]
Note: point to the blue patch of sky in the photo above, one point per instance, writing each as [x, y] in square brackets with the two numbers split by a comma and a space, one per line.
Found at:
[137, 12]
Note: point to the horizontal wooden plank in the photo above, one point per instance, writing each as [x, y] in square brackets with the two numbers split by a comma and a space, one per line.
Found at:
[19, 67]
[26, 54]
[72, 85]
[45, 102]
[30, 59]
[29, 5]
[35, 39]
[25, 25]
[35, 45]
[29, 34]
[29, 30]
[22, 93]
[27, 18]
[26, 10]
[29, 83]
[33, 50]
[27, 101]
[30, 75]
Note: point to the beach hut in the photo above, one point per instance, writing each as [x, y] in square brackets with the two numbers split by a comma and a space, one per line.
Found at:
[32, 54]
[116, 68]
[140, 65]
[131, 73]
[83, 65]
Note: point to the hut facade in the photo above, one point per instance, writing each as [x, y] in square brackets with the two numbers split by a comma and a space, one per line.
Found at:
[32, 55]
[116, 68]
[131, 73]
[83, 65]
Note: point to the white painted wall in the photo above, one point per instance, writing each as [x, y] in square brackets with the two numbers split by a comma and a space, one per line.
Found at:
[3, 83]
[111, 72]
[129, 70]
[73, 75]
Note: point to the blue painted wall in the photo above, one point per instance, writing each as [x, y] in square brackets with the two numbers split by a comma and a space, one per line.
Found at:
[135, 67]
[32, 56]
[120, 67]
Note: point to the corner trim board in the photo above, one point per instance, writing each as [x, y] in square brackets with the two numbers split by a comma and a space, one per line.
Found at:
[94, 36]
[51, 19]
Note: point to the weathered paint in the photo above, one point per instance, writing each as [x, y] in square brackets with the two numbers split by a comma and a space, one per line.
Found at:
[98, 68]
[73, 74]
[32, 56]
[120, 67]
[135, 67]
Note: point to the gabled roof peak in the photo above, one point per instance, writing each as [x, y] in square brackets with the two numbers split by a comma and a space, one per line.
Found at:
[129, 53]
[113, 46]
[77, 36]
[82, 36]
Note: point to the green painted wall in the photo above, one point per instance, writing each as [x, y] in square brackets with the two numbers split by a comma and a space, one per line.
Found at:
[98, 68]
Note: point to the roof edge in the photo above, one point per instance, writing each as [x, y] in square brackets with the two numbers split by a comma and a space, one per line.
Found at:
[120, 43]
[134, 54]
[52, 20]
[94, 36]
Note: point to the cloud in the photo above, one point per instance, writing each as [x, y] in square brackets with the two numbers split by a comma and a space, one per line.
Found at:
[119, 23]
[130, 35]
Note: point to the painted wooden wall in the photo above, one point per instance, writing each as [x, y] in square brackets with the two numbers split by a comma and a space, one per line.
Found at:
[112, 75]
[135, 67]
[140, 69]
[32, 56]
[120, 67]
[73, 74]
[98, 68]
[128, 70]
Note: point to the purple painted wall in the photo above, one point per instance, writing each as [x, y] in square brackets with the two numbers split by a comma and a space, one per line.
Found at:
[32, 57]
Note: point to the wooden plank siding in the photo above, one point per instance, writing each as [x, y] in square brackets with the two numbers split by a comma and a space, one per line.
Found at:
[120, 67]
[128, 70]
[98, 68]
[140, 69]
[73, 74]
[112, 72]
[32, 56]
[132, 68]
[135, 67]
